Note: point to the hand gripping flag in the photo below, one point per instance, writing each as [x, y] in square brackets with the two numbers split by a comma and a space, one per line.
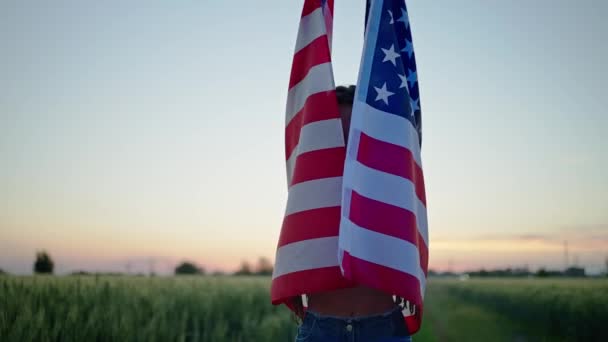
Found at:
[369, 227]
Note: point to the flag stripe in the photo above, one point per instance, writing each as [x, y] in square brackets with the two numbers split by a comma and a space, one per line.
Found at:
[314, 194]
[382, 249]
[330, 5]
[308, 281]
[390, 189]
[318, 79]
[318, 135]
[328, 12]
[315, 53]
[381, 277]
[297, 256]
[291, 163]
[392, 159]
[312, 26]
[310, 224]
[319, 106]
[386, 127]
[309, 7]
[319, 164]
[387, 219]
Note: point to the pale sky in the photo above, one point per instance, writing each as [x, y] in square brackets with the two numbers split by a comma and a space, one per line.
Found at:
[142, 130]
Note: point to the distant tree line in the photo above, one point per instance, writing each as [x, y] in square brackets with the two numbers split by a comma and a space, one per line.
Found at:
[44, 264]
[188, 268]
[516, 272]
[263, 267]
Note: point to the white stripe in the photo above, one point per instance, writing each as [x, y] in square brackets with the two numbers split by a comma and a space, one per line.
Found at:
[305, 255]
[381, 249]
[314, 136]
[314, 194]
[319, 78]
[311, 27]
[320, 135]
[386, 127]
[387, 188]
[291, 163]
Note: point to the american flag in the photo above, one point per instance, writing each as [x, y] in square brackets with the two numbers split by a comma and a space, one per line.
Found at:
[307, 253]
[371, 229]
[383, 237]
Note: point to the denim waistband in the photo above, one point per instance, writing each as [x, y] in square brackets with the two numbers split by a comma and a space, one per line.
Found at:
[354, 328]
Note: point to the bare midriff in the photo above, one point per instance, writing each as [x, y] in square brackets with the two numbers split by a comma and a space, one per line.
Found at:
[350, 302]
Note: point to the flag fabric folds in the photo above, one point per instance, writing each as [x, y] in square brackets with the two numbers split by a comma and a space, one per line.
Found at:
[307, 252]
[356, 215]
[383, 237]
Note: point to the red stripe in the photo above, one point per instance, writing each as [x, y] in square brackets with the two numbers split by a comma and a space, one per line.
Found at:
[310, 6]
[325, 163]
[423, 250]
[328, 14]
[308, 281]
[330, 4]
[310, 224]
[383, 278]
[389, 220]
[414, 322]
[315, 53]
[319, 106]
[391, 159]
[388, 280]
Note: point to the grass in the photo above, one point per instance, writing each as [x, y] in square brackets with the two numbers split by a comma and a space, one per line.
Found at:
[545, 309]
[140, 309]
[217, 308]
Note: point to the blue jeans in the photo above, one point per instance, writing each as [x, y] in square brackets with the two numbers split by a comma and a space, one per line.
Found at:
[385, 327]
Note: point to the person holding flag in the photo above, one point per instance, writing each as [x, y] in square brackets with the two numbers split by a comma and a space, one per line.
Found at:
[352, 255]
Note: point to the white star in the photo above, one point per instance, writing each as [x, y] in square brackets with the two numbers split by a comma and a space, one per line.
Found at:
[404, 19]
[413, 105]
[391, 14]
[403, 81]
[383, 94]
[412, 78]
[409, 48]
[390, 55]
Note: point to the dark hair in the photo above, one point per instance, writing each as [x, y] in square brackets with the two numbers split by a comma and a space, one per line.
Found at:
[346, 94]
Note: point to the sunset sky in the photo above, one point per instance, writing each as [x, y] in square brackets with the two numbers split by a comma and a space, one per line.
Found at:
[137, 131]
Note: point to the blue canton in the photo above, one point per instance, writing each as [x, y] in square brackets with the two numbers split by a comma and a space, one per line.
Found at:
[393, 84]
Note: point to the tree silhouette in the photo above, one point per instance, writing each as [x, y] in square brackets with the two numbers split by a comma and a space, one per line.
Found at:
[43, 264]
[188, 268]
[245, 269]
[264, 266]
[542, 273]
